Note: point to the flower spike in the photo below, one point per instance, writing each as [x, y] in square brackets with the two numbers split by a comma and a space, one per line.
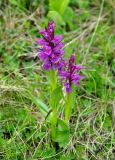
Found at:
[70, 74]
[51, 48]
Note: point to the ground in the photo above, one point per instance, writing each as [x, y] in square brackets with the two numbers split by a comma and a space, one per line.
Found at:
[88, 28]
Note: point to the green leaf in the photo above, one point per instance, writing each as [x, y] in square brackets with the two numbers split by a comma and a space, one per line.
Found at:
[14, 2]
[63, 7]
[40, 104]
[56, 96]
[68, 16]
[56, 17]
[60, 133]
[58, 5]
[62, 125]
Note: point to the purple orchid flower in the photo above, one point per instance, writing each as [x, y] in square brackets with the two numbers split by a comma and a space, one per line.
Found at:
[51, 51]
[70, 76]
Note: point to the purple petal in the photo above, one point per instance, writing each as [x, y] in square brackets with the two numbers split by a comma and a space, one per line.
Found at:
[68, 87]
[58, 47]
[72, 58]
[55, 59]
[42, 42]
[61, 64]
[47, 50]
[47, 65]
[45, 34]
[77, 83]
[43, 57]
[51, 26]
[64, 73]
[76, 77]
[78, 68]
[57, 39]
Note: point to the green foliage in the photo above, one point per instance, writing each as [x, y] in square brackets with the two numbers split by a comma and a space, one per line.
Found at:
[57, 18]
[58, 5]
[56, 96]
[41, 105]
[68, 16]
[60, 12]
[61, 134]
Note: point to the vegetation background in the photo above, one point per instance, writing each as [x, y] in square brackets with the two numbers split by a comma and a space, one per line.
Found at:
[88, 27]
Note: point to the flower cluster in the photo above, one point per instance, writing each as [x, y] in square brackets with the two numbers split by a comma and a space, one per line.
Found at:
[51, 51]
[69, 75]
[51, 54]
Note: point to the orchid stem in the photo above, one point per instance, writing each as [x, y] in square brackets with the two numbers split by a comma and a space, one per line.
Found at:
[53, 80]
[53, 87]
[68, 108]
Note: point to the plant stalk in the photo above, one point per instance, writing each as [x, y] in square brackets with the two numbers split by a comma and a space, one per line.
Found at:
[68, 108]
[53, 87]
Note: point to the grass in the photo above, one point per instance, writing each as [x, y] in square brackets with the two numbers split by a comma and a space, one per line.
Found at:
[24, 135]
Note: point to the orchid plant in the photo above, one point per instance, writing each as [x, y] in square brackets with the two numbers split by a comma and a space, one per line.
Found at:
[51, 54]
